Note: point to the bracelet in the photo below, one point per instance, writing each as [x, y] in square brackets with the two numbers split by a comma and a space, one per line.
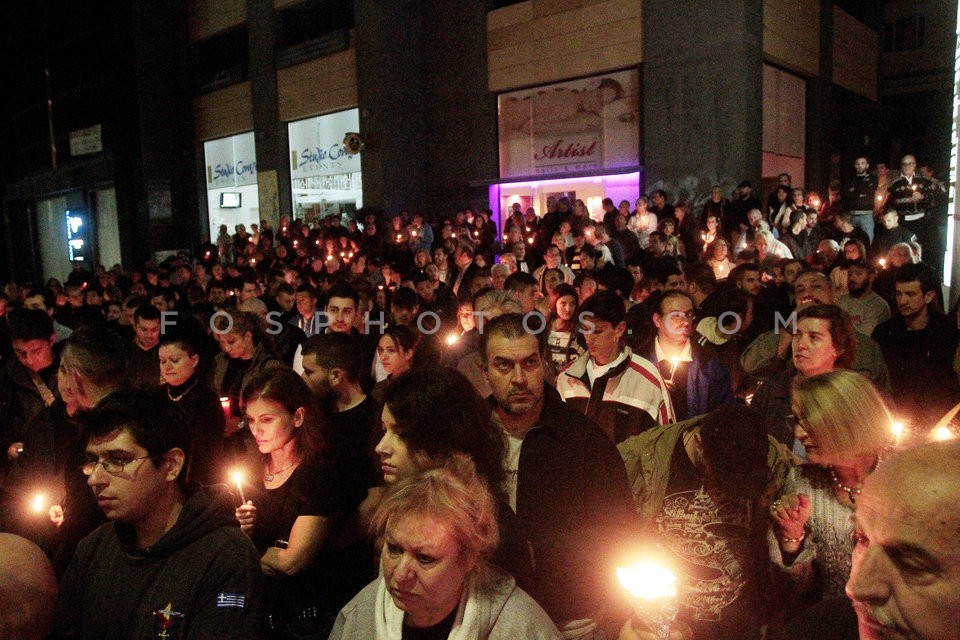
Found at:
[803, 535]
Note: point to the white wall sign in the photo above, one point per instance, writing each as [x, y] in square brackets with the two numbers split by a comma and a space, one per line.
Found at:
[231, 161]
[581, 125]
[316, 145]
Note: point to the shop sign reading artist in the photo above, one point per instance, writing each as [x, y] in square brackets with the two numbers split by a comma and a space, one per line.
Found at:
[580, 125]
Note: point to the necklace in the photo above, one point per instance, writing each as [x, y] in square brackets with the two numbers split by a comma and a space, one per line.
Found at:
[185, 392]
[852, 492]
[269, 476]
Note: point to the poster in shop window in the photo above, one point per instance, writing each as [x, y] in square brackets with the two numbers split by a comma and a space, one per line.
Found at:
[576, 126]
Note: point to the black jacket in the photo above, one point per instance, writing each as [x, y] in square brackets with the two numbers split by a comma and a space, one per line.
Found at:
[575, 507]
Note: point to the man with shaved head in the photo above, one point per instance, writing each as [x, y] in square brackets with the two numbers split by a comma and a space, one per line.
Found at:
[28, 590]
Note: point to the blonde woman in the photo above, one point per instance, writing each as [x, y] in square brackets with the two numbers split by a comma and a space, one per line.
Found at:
[845, 428]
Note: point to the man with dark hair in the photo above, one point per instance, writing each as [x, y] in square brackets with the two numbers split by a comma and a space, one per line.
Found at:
[28, 381]
[919, 346]
[525, 287]
[621, 391]
[171, 559]
[858, 195]
[45, 300]
[697, 381]
[865, 307]
[143, 362]
[305, 318]
[404, 307]
[564, 481]
[703, 488]
[92, 366]
[332, 370]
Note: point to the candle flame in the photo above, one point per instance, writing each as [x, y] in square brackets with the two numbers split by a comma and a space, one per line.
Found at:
[648, 580]
[452, 338]
[39, 503]
[942, 433]
[897, 428]
[237, 476]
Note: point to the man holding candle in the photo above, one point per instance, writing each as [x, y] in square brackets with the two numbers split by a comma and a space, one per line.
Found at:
[172, 558]
[619, 390]
[697, 382]
[702, 488]
[91, 367]
[910, 195]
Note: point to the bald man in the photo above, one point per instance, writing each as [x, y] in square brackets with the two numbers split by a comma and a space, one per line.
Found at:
[28, 590]
[905, 579]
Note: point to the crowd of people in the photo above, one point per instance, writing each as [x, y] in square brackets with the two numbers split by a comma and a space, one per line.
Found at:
[416, 427]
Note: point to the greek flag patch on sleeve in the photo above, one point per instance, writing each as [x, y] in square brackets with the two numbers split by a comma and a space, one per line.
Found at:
[231, 600]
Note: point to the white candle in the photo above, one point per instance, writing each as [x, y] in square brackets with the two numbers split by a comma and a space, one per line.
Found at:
[238, 480]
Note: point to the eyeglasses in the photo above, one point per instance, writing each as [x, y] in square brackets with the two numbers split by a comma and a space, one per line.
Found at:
[794, 422]
[679, 316]
[112, 466]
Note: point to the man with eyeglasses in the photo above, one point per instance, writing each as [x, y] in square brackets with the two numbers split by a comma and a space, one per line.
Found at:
[698, 382]
[172, 562]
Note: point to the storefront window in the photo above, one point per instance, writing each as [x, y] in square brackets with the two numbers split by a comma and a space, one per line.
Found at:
[232, 197]
[325, 173]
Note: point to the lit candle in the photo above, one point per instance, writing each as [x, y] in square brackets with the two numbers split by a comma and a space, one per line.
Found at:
[414, 233]
[652, 588]
[529, 240]
[39, 503]
[897, 428]
[883, 263]
[399, 237]
[879, 198]
[225, 405]
[318, 242]
[476, 234]
[452, 338]
[237, 476]
[528, 229]
[453, 235]
[674, 361]
[941, 433]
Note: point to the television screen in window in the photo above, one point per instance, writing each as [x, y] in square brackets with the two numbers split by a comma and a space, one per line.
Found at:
[229, 200]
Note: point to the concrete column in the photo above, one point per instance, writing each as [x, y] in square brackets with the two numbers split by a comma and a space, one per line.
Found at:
[271, 135]
[390, 91]
[823, 132]
[702, 93]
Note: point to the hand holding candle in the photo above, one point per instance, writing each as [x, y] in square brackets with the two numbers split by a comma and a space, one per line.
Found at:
[652, 588]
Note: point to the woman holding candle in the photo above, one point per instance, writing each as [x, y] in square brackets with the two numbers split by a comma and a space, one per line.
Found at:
[845, 429]
[436, 531]
[292, 505]
[717, 253]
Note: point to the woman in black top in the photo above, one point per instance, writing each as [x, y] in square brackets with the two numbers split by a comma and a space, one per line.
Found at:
[199, 405]
[292, 505]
